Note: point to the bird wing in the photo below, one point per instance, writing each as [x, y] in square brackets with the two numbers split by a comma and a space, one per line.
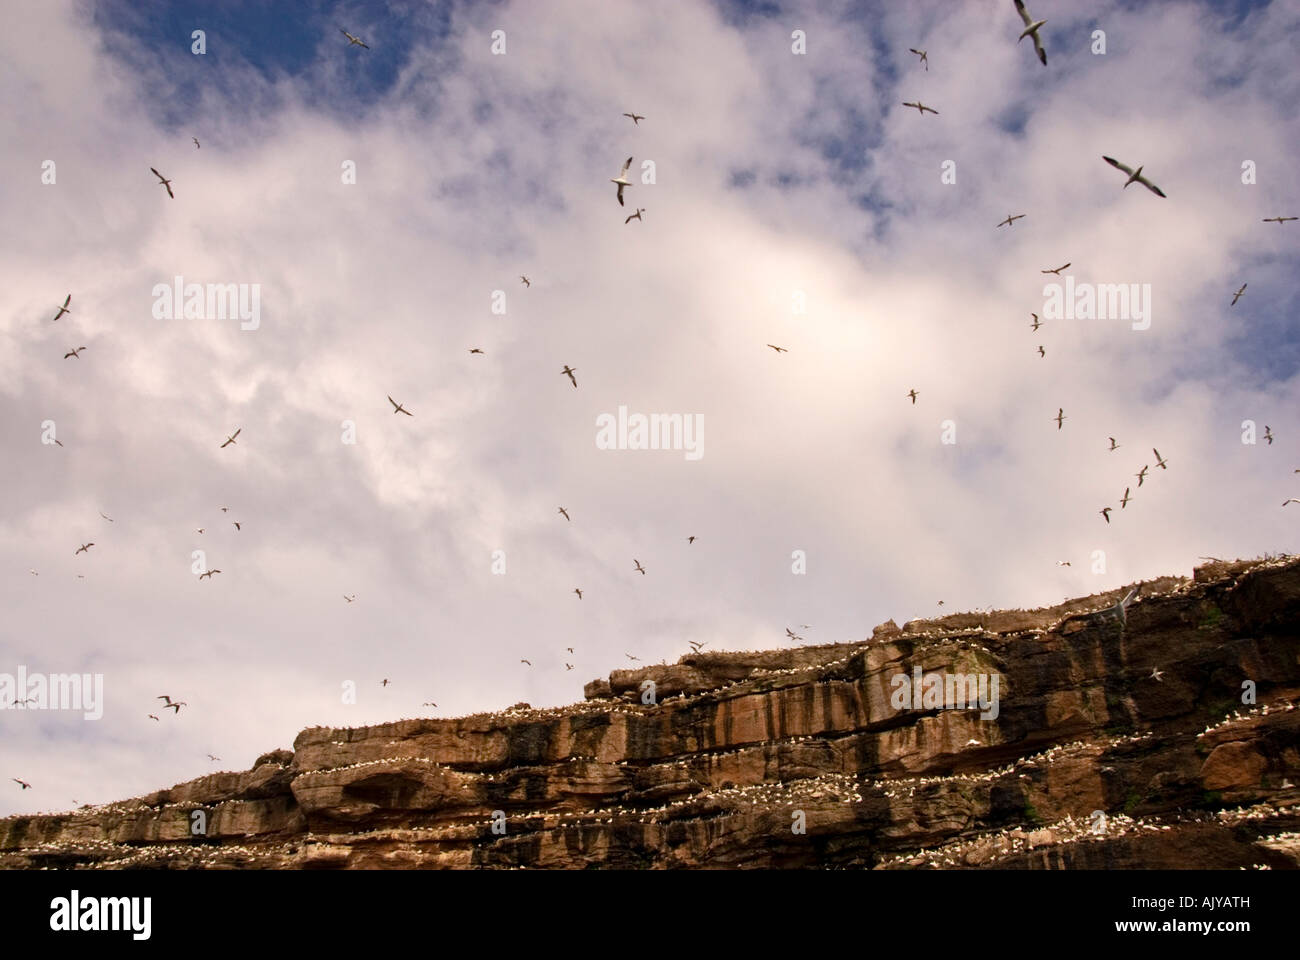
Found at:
[626, 166]
[1024, 14]
[394, 403]
[1119, 166]
[169, 190]
[620, 194]
[1151, 186]
[1038, 49]
[157, 174]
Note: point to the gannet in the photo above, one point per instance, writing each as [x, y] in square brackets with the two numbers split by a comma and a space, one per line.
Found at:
[525, 281]
[1037, 323]
[1134, 176]
[1141, 475]
[622, 180]
[1124, 499]
[84, 548]
[1105, 512]
[1268, 434]
[913, 394]
[1010, 220]
[569, 371]
[1277, 220]
[578, 592]
[636, 118]
[1237, 296]
[475, 350]
[196, 142]
[231, 439]
[1157, 673]
[1031, 30]
[64, 309]
[921, 108]
[925, 59]
[640, 568]
[1060, 417]
[564, 512]
[1057, 271]
[352, 40]
[398, 408]
[690, 540]
[1113, 444]
[635, 216]
[778, 349]
[74, 353]
[1291, 500]
[23, 784]
[1159, 462]
[208, 573]
[165, 182]
[1041, 351]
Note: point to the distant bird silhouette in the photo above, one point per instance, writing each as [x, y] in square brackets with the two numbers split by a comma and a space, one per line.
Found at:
[913, 394]
[354, 41]
[1124, 499]
[75, 354]
[526, 282]
[398, 408]
[1062, 563]
[1037, 323]
[1060, 417]
[630, 657]
[1278, 220]
[1057, 271]
[921, 108]
[925, 59]
[1113, 444]
[175, 706]
[578, 592]
[1238, 295]
[790, 634]
[639, 568]
[634, 216]
[570, 649]
[697, 645]
[1268, 434]
[529, 662]
[565, 512]
[1156, 673]
[568, 666]
[196, 142]
[476, 350]
[84, 548]
[165, 182]
[1105, 512]
[1010, 221]
[690, 539]
[636, 118]
[231, 439]
[1291, 500]
[1041, 351]
[208, 574]
[1159, 462]
[778, 349]
[213, 759]
[106, 517]
[23, 784]
[236, 523]
[385, 682]
[349, 599]
[152, 717]
[64, 309]
[1141, 475]
[428, 703]
[200, 529]
[569, 371]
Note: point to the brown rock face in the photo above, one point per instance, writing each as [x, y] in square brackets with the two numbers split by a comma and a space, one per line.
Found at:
[897, 752]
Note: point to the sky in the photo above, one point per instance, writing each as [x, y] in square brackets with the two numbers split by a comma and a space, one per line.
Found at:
[383, 203]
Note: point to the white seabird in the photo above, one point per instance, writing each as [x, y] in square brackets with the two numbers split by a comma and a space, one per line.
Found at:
[622, 179]
[1031, 30]
[1134, 176]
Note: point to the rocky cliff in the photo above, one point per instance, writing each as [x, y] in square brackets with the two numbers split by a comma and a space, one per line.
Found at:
[1161, 732]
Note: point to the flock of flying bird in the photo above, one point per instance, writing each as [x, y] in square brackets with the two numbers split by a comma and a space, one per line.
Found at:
[1032, 29]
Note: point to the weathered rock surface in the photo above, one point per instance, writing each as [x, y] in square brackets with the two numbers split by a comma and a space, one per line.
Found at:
[1090, 762]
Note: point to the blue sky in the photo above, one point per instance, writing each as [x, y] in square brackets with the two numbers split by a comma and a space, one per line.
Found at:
[794, 201]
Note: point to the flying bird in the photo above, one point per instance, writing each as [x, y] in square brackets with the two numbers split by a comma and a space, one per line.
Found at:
[570, 649]
[778, 349]
[622, 180]
[1058, 270]
[153, 717]
[1124, 499]
[1031, 30]
[212, 758]
[630, 657]
[1113, 444]
[165, 182]
[1268, 434]
[640, 568]
[23, 784]
[64, 309]
[913, 394]
[200, 529]
[791, 634]
[1105, 512]
[208, 573]
[352, 40]
[526, 282]
[476, 350]
[925, 59]
[349, 599]
[385, 682]
[635, 216]
[428, 703]
[529, 662]
[565, 512]
[1041, 351]
[636, 118]
[1237, 296]
[578, 592]
[690, 539]
[230, 439]
[1134, 176]
[1157, 673]
[84, 548]
[1277, 220]
[1060, 417]
[1062, 563]
[196, 142]
[176, 706]
[74, 353]
[697, 645]
[1292, 500]
[1141, 475]
[105, 516]
[398, 408]
[1037, 323]
[921, 108]
[569, 372]
[568, 666]
[236, 523]
[1010, 220]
